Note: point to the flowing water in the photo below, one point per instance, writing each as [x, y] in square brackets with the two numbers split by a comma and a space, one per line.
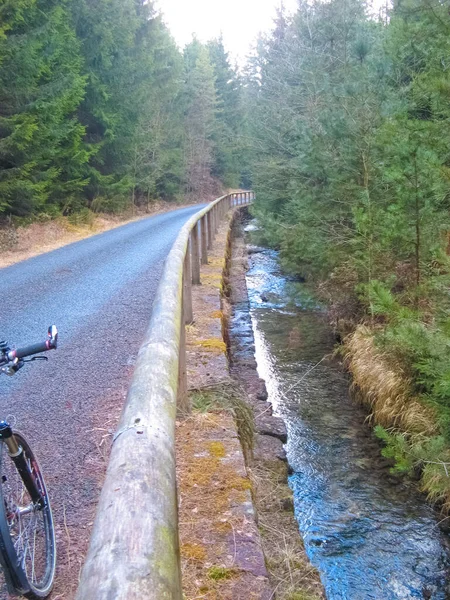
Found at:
[370, 534]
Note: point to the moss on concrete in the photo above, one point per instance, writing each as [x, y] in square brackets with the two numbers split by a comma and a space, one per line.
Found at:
[218, 573]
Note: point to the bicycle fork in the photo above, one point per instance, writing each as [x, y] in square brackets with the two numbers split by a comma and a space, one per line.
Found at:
[16, 454]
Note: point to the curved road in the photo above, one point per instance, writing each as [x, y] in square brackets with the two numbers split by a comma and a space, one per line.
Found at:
[99, 292]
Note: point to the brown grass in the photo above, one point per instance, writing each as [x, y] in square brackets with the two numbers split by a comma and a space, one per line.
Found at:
[40, 237]
[380, 383]
[435, 482]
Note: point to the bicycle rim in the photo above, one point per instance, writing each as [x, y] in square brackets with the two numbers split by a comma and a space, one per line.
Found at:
[26, 532]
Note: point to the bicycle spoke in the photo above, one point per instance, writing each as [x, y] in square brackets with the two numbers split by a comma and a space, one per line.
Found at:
[27, 523]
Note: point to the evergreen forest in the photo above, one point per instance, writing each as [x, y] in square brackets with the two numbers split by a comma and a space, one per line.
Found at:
[350, 137]
[339, 121]
[100, 109]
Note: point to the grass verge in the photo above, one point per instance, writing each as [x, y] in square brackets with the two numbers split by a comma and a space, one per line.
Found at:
[33, 238]
[406, 421]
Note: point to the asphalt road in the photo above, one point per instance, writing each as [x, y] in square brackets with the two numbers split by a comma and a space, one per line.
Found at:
[99, 292]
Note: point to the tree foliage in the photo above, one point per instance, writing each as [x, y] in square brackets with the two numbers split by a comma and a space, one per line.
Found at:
[349, 124]
[99, 108]
[41, 84]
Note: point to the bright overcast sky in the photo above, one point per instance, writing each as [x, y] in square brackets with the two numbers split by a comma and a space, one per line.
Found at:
[239, 21]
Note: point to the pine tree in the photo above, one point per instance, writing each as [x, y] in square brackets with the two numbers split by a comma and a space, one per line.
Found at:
[414, 139]
[41, 149]
[110, 32]
[158, 166]
[228, 135]
[200, 102]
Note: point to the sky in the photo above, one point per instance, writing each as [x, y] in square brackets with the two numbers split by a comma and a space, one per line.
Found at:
[239, 21]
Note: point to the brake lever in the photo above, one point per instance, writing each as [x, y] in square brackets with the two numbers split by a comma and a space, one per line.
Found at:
[35, 358]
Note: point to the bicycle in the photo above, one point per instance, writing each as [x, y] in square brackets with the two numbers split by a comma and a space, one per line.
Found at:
[27, 537]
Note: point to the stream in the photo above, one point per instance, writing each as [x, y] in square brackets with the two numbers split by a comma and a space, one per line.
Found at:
[371, 534]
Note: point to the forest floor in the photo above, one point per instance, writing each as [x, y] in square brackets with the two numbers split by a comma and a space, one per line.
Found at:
[23, 242]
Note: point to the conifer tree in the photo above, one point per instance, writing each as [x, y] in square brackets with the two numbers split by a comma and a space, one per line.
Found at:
[158, 160]
[97, 108]
[200, 102]
[41, 85]
[228, 134]
[108, 31]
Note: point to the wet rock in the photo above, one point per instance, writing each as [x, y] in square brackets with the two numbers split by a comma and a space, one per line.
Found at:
[287, 504]
[271, 426]
[282, 455]
[267, 447]
[254, 250]
[262, 394]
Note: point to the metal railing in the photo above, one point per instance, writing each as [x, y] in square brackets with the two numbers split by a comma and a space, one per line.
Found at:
[134, 548]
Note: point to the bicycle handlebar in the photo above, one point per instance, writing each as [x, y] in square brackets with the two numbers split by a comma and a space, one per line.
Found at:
[29, 350]
[50, 344]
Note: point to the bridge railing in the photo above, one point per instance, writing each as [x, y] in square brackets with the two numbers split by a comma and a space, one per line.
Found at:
[134, 548]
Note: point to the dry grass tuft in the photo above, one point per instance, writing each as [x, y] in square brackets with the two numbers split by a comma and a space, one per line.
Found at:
[435, 482]
[44, 236]
[190, 551]
[381, 384]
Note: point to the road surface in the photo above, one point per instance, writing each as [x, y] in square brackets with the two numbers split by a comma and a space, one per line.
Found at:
[99, 292]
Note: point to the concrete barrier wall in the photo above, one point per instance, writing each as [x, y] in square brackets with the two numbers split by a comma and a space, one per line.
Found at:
[134, 549]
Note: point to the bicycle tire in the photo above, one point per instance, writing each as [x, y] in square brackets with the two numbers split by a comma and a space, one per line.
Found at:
[25, 573]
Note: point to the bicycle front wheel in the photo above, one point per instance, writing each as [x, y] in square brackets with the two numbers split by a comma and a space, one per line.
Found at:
[27, 538]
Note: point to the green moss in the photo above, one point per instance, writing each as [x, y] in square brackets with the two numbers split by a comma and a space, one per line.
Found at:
[164, 558]
[212, 344]
[219, 573]
[217, 449]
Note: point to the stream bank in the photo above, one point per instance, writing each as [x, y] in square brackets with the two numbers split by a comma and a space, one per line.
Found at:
[221, 555]
[371, 535]
[291, 573]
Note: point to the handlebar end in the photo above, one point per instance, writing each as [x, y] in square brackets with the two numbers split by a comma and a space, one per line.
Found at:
[53, 337]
